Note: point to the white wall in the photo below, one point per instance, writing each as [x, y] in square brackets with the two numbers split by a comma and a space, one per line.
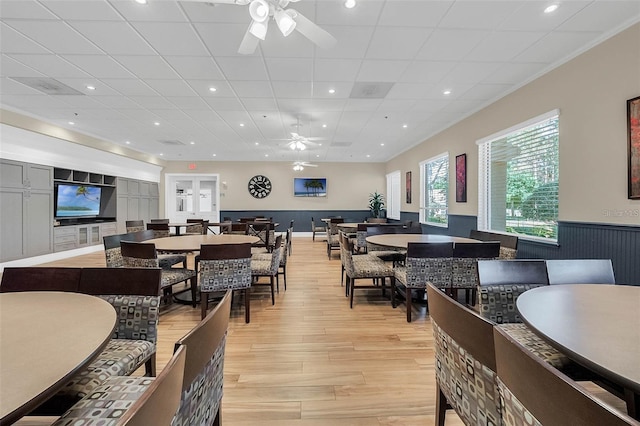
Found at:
[591, 92]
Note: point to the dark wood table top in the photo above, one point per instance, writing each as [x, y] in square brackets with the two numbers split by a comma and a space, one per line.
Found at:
[596, 325]
[402, 240]
[47, 337]
[186, 243]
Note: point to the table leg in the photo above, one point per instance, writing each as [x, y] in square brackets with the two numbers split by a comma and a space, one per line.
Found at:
[633, 403]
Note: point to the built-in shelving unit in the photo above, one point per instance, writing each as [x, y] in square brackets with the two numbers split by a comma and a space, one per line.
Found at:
[77, 176]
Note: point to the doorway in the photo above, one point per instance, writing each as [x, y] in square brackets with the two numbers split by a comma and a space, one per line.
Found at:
[192, 197]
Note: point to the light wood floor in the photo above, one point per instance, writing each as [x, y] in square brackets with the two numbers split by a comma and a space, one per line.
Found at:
[310, 359]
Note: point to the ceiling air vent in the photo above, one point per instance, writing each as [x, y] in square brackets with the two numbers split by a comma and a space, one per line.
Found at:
[369, 90]
[340, 144]
[48, 86]
[171, 143]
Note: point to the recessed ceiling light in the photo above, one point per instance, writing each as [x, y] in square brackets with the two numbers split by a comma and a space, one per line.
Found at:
[72, 123]
[192, 143]
[551, 8]
[319, 144]
[332, 91]
[127, 142]
[156, 123]
[446, 92]
[350, 4]
[141, 1]
[161, 154]
[257, 143]
[91, 87]
[317, 155]
[266, 155]
[404, 126]
[324, 125]
[368, 156]
[241, 124]
[381, 144]
[212, 89]
[215, 155]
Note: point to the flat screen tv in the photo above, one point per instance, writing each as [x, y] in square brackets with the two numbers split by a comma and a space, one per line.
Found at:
[77, 201]
[310, 187]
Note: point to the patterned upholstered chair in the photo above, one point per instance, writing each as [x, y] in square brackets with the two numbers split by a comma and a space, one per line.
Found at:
[265, 231]
[425, 262]
[533, 393]
[465, 266]
[160, 230]
[282, 268]
[333, 237]
[144, 255]
[267, 268]
[580, 271]
[113, 254]
[159, 221]
[365, 266]
[134, 225]
[195, 227]
[203, 376]
[508, 243]
[238, 229]
[465, 362]
[389, 254]
[361, 238]
[317, 229]
[289, 242]
[132, 401]
[225, 267]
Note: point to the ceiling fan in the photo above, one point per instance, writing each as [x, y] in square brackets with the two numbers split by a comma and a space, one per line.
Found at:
[300, 165]
[286, 19]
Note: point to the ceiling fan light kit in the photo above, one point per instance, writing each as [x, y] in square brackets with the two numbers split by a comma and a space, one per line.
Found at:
[259, 29]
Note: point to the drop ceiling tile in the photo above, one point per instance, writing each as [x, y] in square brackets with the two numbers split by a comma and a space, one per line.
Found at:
[284, 69]
[553, 47]
[428, 105]
[362, 104]
[210, 12]
[51, 65]
[117, 102]
[130, 87]
[283, 89]
[295, 45]
[195, 67]
[602, 16]
[503, 46]
[414, 13]
[171, 87]
[410, 90]
[485, 92]
[147, 66]
[321, 89]
[294, 105]
[79, 102]
[336, 69]
[13, 68]
[24, 9]
[222, 39]
[381, 70]
[99, 66]
[328, 104]
[152, 102]
[95, 10]
[478, 14]
[451, 44]
[396, 42]
[243, 68]
[426, 71]
[510, 73]
[352, 43]
[470, 72]
[260, 104]
[114, 38]
[12, 41]
[252, 89]
[531, 17]
[178, 39]
[223, 88]
[11, 87]
[158, 11]
[41, 102]
[334, 13]
[187, 102]
[224, 104]
[397, 105]
[99, 115]
[56, 36]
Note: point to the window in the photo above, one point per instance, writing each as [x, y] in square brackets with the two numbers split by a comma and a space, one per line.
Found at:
[518, 179]
[434, 190]
[393, 195]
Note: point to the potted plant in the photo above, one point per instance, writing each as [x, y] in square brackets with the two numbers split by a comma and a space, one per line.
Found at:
[376, 202]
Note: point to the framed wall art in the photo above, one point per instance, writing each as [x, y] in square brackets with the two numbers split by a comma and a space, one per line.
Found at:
[461, 178]
[310, 187]
[408, 187]
[633, 132]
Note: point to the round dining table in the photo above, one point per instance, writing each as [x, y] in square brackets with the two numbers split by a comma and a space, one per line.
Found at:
[596, 325]
[47, 337]
[402, 240]
[186, 243]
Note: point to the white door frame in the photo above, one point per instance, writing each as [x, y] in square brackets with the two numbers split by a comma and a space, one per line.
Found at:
[169, 195]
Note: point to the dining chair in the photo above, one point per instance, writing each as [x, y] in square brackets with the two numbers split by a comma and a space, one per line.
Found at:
[465, 266]
[113, 253]
[267, 267]
[159, 221]
[389, 254]
[265, 231]
[282, 268]
[225, 267]
[160, 229]
[132, 401]
[315, 229]
[144, 255]
[203, 377]
[535, 393]
[580, 271]
[238, 229]
[195, 227]
[333, 239]
[508, 243]
[425, 262]
[365, 266]
[134, 225]
[289, 243]
[465, 362]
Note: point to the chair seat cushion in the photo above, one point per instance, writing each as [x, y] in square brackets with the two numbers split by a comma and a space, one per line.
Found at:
[106, 403]
[538, 347]
[168, 260]
[261, 266]
[368, 266]
[175, 275]
[388, 255]
[121, 357]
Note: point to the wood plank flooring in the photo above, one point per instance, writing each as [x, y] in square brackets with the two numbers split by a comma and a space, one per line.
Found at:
[310, 359]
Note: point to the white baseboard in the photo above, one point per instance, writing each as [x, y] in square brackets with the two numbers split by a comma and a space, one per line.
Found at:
[45, 258]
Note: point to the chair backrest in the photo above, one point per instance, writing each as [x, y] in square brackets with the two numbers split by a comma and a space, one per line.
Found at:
[112, 253]
[203, 376]
[530, 388]
[501, 282]
[430, 250]
[40, 279]
[488, 250]
[276, 255]
[224, 251]
[160, 401]
[139, 255]
[239, 228]
[134, 225]
[580, 271]
[160, 229]
[225, 266]
[465, 359]
[159, 221]
[428, 262]
[508, 243]
[247, 219]
[122, 281]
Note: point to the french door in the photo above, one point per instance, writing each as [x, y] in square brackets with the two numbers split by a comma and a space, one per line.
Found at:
[192, 197]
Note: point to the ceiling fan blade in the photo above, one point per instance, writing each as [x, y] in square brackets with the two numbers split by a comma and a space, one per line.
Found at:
[238, 2]
[249, 43]
[312, 31]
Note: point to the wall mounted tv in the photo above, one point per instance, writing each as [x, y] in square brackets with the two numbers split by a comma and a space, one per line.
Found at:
[73, 201]
[310, 187]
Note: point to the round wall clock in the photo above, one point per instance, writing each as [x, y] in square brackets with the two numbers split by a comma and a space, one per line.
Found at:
[259, 186]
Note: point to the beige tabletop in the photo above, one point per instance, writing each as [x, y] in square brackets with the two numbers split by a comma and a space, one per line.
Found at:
[401, 240]
[348, 226]
[185, 243]
[596, 325]
[45, 338]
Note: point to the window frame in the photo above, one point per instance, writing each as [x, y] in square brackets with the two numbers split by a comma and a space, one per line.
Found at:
[424, 207]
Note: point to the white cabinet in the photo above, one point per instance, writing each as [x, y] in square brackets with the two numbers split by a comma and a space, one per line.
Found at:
[77, 236]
